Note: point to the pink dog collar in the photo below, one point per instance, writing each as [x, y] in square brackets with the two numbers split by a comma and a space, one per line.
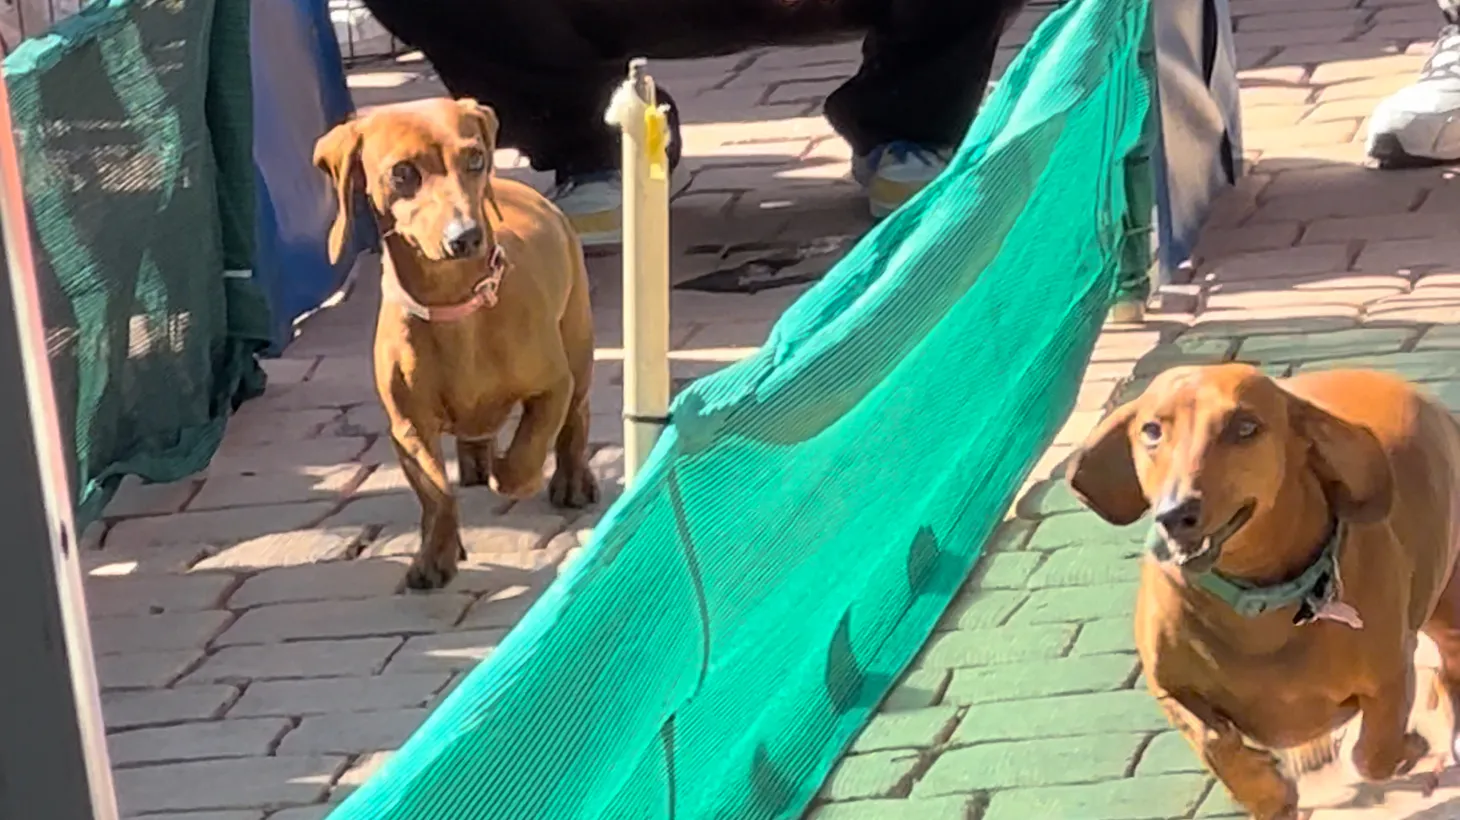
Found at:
[483, 294]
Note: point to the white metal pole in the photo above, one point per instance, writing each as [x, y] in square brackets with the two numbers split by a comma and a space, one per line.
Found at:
[53, 756]
[645, 128]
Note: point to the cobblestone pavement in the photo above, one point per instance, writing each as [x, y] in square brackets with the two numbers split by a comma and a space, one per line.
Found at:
[259, 660]
[1026, 703]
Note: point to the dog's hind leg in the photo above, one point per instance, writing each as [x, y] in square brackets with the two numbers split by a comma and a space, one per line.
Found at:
[1444, 629]
[422, 462]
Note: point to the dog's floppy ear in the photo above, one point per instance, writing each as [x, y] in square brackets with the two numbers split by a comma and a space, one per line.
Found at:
[1102, 471]
[488, 125]
[336, 154]
[1349, 461]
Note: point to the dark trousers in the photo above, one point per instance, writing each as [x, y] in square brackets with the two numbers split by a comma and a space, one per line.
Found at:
[549, 67]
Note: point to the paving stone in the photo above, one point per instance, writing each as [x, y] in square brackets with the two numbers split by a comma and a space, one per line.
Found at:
[451, 652]
[115, 563]
[859, 777]
[1009, 536]
[501, 609]
[304, 659]
[325, 695]
[941, 808]
[197, 741]
[1030, 763]
[1063, 604]
[982, 608]
[257, 430]
[353, 732]
[1093, 714]
[362, 771]
[286, 457]
[1074, 567]
[154, 595]
[248, 814]
[319, 582]
[1104, 636]
[914, 729]
[1309, 346]
[1048, 498]
[1143, 798]
[1037, 679]
[1005, 570]
[144, 670]
[129, 710]
[215, 526]
[136, 497]
[306, 484]
[1168, 753]
[1420, 366]
[305, 813]
[288, 549]
[985, 647]
[1089, 532]
[156, 633]
[918, 689]
[396, 615]
[262, 782]
[1306, 259]
[1407, 254]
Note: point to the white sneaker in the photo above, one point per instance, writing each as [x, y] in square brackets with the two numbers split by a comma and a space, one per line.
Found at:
[892, 173]
[1420, 124]
[594, 204]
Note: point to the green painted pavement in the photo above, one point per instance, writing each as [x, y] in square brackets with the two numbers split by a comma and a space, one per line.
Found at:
[911, 729]
[943, 808]
[1062, 716]
[870, 775]
[1141, 798]
[1031, 763]
[1040, 679]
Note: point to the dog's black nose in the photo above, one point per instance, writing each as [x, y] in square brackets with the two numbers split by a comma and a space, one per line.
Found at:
[463, 237]
[1180, 517]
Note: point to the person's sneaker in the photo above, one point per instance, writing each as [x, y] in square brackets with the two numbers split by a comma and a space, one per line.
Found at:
[1420, 124]
[892, 173]
[594, 203]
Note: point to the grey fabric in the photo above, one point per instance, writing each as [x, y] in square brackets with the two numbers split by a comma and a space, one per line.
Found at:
[1451, 10]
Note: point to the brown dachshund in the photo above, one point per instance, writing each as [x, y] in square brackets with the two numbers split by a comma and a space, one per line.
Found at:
[485, 307]
[1305, 531]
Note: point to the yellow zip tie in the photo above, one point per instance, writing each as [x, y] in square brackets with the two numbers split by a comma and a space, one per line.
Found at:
[656, 143]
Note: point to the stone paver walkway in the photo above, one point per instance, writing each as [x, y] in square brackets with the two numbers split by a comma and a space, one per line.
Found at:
[1026, 703]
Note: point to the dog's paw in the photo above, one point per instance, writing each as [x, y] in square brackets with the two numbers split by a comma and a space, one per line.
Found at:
[514, 482]
[426, 574]
[573, 488]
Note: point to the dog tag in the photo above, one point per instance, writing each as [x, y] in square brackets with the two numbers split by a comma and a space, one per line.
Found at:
[1340, 612]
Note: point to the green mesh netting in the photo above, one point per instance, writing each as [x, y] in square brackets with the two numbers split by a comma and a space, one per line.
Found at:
[810, 512]
[133, 121]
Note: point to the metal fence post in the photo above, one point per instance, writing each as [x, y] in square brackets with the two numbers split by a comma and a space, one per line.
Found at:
[53, 759]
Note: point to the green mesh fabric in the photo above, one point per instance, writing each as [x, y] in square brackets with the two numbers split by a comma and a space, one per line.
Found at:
[806, 518]
[132, 122]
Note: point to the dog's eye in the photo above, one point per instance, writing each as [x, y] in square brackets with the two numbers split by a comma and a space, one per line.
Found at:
[1244, 429]
[405, 178]
[1151, 432]
[474, 162]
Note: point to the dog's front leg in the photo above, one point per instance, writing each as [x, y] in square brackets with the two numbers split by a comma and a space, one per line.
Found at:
[425, 469]
[518, 473]
[1385, 747]
[1251, 776]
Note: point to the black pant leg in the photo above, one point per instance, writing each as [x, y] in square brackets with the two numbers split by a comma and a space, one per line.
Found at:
[548, 85]
[925, 67]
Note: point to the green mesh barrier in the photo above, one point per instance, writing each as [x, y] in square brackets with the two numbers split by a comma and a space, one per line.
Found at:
[806, 518]
[132, 119]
